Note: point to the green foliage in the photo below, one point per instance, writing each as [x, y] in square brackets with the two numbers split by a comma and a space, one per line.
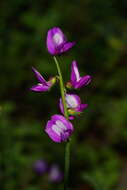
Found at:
[99, 142]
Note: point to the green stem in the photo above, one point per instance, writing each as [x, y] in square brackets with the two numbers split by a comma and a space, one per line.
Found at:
[67, 146]
[67, 164]
[61, 88]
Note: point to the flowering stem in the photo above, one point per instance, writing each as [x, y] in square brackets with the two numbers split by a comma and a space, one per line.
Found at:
[67, 146]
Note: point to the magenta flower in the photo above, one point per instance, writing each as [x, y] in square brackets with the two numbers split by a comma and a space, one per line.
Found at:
[57, 42]
[59, 129]
[76, 80]
[74, 105]
[43, 85]
[55, 174]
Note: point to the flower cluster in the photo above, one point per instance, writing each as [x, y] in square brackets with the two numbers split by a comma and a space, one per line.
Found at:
[59, 128]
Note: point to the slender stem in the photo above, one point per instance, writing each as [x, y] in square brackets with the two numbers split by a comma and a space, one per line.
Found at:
[67, 164]
[61, 87]
[67, 146]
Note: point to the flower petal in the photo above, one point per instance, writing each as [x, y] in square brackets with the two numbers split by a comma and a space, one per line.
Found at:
[62, 119]
[67, 46]
[77, 100]
[55, 38]
[75, 76]
[39, 88]
[82, 107]
[39, 76]
[57, 42]
[58, 36]
[83, 81]
[72, 100]
[51, 133]
[59, 128]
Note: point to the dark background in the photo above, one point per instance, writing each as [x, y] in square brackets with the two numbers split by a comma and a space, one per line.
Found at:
[99, 143]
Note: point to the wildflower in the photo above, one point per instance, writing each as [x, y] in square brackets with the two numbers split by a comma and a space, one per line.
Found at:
[57, 42]
[40, 167]
[74, 105]
[59, 129]
[43, 85]
[55, 174]
[76, 80]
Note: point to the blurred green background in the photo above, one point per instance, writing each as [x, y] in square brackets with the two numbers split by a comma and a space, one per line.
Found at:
[99, 143]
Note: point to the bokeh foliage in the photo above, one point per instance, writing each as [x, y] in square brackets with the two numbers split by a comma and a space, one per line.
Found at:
[99, 145]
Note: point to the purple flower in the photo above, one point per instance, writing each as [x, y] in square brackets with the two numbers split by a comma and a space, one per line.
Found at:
[57, 42]
[59, 129]
[74, 105]
[76, 80]
[55, 174]
[40, 167]
[43, 85]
